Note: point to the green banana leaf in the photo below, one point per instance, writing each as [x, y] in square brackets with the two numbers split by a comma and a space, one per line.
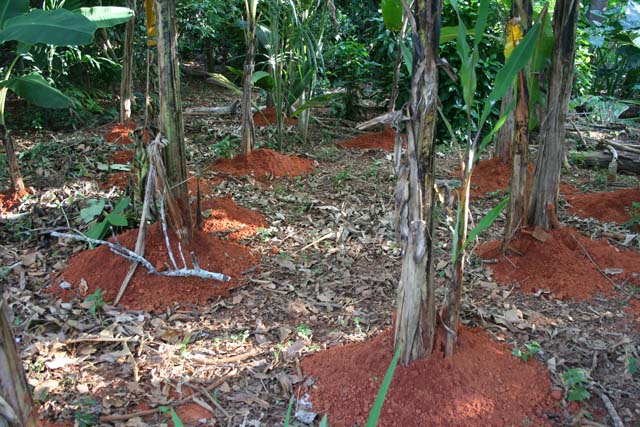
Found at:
[392, 14]
[11, 8]
[106, 16]
[54, 27]
[34, 88]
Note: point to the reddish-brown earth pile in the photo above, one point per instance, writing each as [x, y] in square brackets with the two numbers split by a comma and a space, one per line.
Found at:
[102, 269]
[10, 199]
[264, 163]
[122, 157]
[118, 179]
[561, 265]
[119, 134]
[481, 385]
[613, 206]
[384, 140]
[223, 217]
[490, 175]
[267, 117]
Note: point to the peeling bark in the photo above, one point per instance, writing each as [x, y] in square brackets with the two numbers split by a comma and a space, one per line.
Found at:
[171, 122]
[416, 318]
[14, 389]
[17, 183]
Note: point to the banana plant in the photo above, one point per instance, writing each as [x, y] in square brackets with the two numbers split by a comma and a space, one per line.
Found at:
[57, 27]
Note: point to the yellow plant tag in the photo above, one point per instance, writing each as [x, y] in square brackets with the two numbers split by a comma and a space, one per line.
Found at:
[151, 23]
[514, 35]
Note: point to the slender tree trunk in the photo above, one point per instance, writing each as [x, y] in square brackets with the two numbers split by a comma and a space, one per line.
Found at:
[16, 406]
[504, 137]
[516, 210]
[126, 82]
[171, 123]
[17, 183]
[546, 182]
[210, 54]
[248, 127]
[416, 317]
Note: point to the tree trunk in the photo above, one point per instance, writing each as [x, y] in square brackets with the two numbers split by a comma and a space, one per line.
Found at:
[171, 123]
[210, 54]
[546, 182]
[126, 82]
[516, 210]
[415, 326]
[504, 137]
[17, 409]
[17, 184]
[248, 127]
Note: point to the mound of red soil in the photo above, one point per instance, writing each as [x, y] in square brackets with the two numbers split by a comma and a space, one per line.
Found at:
[490, 175]
[223, 216]
[613, 206]
[105, 270]
[10, 199]
[122, 157]
[384, 140]
[264, 163]
[481, 385]
[267, 117]
[119, 134]
[115, 179]
[561, 266]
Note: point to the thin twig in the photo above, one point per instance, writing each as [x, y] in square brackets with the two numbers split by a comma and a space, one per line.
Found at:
[584, 250]
[617, 421]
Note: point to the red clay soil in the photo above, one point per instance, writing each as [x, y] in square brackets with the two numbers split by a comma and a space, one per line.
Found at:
[115, 179]
[384, 140]
[222, 215]
[105, 270]
[10, 199]
[267, 117]
[119, 134]
[490, 175]
[561, 266]
[122, 157]
[612, 206]
[481, 385]
[264, 163]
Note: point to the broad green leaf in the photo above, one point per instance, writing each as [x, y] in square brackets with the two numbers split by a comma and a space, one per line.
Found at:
[374, 415]
[392, 14]
[259, 75]
[117, 219]
[93, 209]
[486, 222]
[407, 57]
[578, 394]
[121, 205]
[106, 16]
[449, 34]
[57, 27]
[315, 102]
[11, 8]
[34, 88]
[225, 82]
[98, 230]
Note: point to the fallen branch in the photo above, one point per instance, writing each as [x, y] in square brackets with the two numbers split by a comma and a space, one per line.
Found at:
[613, 414]
[132, 256]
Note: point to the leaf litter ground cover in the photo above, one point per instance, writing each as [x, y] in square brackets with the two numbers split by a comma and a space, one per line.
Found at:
[332, 282]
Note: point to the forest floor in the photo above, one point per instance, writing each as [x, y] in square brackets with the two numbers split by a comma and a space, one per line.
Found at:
[314, 265]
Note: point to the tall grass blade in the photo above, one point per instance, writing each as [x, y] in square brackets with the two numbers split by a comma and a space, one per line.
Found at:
[374, 415]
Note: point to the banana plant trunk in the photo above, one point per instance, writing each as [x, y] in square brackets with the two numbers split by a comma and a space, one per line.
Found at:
[248, 127]
[15, 176]
[504, 137]
[546, 182]
[171, 121]
[415, 326]
[516, 210]
[126, 82]
[16, 405]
